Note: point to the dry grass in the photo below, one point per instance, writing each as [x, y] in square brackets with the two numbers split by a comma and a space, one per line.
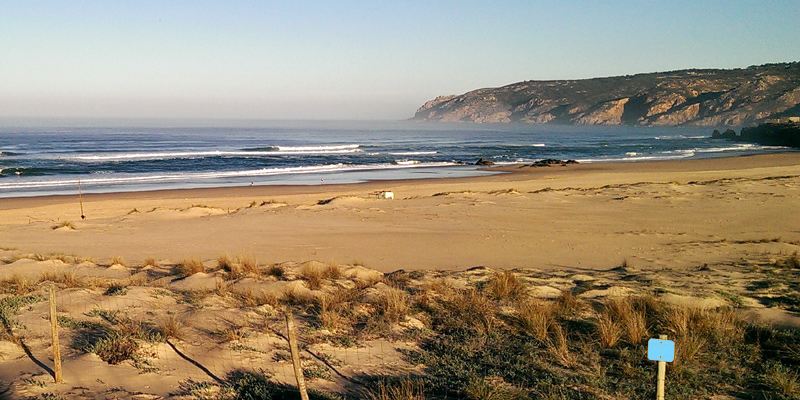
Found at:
[231, 333]
[492, 389]
[558, 347]
[221, 288]
[239, 267]
[276, 271]
[505, 286]
[67, 278]
[190, 267]
[225, 263]
[405, 389]
[313, 277]
[630, 319]
[170, 327]
[334, 310]
[536, 318]
[150, 262]
[64, 224]
[393, 305]
[568, 304]
[249, 264]
[608, 331]
[783, 380]
[65, 258]
[294, 296]
[253, 299]
[332, 271]
[117, 260]
[17, 285]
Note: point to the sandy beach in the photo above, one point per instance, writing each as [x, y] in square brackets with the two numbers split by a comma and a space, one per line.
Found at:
[670, 214]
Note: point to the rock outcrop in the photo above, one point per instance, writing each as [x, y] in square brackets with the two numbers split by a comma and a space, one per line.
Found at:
[708, 97]
[769, 134]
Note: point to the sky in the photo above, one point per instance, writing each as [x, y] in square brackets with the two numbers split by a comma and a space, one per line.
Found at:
[352, 60]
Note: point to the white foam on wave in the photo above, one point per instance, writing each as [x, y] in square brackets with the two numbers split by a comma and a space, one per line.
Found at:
[411, 153]
[739, 147]
[538, 145]
[319, 148]
[676, 137]
[202, 154]
[216, 175]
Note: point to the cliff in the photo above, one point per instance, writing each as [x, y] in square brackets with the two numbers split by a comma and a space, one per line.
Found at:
[701, 97]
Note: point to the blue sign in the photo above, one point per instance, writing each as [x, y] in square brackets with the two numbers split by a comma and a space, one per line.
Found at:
[660, 350]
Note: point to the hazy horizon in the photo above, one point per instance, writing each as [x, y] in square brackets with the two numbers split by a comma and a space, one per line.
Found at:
[349, 61]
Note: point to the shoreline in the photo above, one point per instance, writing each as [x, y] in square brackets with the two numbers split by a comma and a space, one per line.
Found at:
[514, 169]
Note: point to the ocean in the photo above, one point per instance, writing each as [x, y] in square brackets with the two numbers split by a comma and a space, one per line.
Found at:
[37, 161]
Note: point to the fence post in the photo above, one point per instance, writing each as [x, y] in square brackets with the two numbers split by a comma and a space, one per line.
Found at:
[298, 366]
[54, 330]
[662, 375]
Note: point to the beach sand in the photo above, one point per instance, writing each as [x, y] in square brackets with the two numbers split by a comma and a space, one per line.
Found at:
[670, 214]
[140, 322]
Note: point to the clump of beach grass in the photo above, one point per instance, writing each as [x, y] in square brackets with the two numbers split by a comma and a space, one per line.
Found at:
[116, 289]
[117, 260]
[257, 299]
[782, 380]
[66, 278]
[64, 224]
[275, 270]
[405, 389]
[506, 286]
[190, 266]
[17, 284]
[623, 316]
[170, 327]
[536, 318]
[150, 262]
[238, 267]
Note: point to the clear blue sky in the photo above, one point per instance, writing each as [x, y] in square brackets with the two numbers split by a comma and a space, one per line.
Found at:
[352, 59]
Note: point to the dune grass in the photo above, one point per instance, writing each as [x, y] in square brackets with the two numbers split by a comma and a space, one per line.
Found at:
[189, 267]
[64, 224]
[506, 286]
[117, 260]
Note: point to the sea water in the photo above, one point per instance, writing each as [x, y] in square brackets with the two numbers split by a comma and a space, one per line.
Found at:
[39, 160]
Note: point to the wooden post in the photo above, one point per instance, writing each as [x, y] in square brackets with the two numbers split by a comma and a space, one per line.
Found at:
[298, 367]
[54, 330]
[80, 198]
[662, 375]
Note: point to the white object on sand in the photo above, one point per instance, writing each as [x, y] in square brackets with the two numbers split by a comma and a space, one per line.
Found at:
[388, 195]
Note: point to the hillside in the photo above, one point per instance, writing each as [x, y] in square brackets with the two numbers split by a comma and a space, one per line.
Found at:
[707, 97]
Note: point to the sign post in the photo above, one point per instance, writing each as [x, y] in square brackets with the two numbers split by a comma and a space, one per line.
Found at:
[662, 351]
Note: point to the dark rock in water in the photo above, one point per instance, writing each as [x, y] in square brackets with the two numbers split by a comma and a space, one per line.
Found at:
[769, 134]
[728, 134]
[552, 161]
[482, 161]
[772, 135]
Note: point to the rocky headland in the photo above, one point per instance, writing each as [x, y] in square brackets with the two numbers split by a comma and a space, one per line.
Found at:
[698, 97]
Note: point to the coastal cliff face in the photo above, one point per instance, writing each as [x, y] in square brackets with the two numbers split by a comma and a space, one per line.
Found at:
[709, 97]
